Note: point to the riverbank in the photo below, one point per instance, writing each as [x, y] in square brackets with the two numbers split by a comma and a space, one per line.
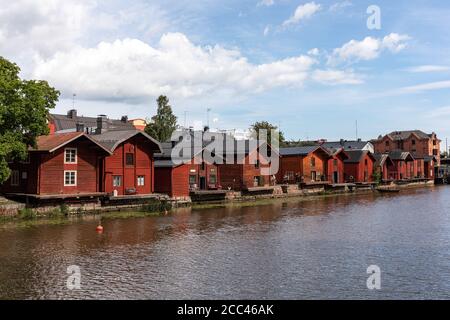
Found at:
[62, 214]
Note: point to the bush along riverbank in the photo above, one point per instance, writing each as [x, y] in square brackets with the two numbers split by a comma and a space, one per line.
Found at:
[162, 206]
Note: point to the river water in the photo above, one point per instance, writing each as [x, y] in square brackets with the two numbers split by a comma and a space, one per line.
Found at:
[317, 249]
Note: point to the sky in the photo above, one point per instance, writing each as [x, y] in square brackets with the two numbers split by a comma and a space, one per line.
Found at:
[314, 68]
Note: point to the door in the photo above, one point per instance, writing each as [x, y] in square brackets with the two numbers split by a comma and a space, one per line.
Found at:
[202, 183]
[335, 177]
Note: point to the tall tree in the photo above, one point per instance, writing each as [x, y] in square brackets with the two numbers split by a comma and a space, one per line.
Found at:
[24, 109]
[164, 123]
[267, 126]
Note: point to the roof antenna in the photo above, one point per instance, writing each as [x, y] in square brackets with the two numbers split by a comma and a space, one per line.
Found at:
[356, 125]
[73, 100]
[207, 116]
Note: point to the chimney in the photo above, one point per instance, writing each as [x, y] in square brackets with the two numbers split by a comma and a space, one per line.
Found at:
[72, 114]
[124, 119]
[205, 129]
[341, 142]
[102, 124]
[359, 140]
[80, 127]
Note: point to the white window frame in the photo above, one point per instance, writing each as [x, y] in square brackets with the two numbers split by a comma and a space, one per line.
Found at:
[138, 181]
[70, 171]
[121, 181]
[65, 155]
[15, 178]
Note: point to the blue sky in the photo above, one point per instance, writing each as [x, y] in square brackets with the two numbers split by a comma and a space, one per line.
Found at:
[312, 67]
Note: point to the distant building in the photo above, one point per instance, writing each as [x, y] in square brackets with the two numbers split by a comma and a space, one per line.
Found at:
[416, 142]
[349, 145]
[139, 124]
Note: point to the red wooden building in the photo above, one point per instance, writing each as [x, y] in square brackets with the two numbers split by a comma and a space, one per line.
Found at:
[383, 165]
[335, 165]
[61, 164]
[403, 168]
[304, 164]
[178, 177]
[359, 166]
[130, 167]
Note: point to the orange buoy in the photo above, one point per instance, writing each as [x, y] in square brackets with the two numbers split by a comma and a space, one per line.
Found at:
[99, 228]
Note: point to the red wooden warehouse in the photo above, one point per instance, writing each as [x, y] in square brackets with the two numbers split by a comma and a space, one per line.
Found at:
[61, 164]
[129, 169]
[359, 166]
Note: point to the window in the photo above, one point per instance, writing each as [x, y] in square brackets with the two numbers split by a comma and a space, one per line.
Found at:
[70, 178]
[141, 181]
[313, 162]
[313, 176]
[413, 142]
[15, 178]
[24, 175]
[129, 159]
[365, 162]
[192, 179]
[117, 181]
[257, 164]
[434, 142]
[212, 179]
[387, 143]
[70, 155]
[435, 152]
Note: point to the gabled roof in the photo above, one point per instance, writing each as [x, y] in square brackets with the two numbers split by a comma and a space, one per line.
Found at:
[401, 155]
[347, 145]
[335, 152]
[403, 135]
[355, 156]
[63, 122]
[301, 151]
[53, 142]
[429, 158]
[112, 139]
[381, 159]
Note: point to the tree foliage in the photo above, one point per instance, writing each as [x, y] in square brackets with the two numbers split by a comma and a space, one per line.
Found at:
[267, 126]
[164, 123]
[24, 109]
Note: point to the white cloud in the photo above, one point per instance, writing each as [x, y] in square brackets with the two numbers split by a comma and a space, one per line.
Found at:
[428, 68]
[303, 12]
[368, 49]
[335, 77]
[424, 87]
[314, 52]
[131, 69]
[32, 27]
[266, 3]
[340, 5]
[266, 30]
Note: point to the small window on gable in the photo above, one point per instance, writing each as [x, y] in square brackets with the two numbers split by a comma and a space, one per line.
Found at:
[129, 159]
[70, 155]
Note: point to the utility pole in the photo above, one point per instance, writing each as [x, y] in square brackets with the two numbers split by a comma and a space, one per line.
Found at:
[446, 147]
[73, 100]
[207, 116]
[185, 113]
[356, 126]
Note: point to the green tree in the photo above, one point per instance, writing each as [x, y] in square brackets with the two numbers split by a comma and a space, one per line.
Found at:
[164, 123]
[267, 126]
[24, 109]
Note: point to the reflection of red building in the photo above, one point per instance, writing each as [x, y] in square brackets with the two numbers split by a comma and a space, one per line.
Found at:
[61, 164]
[359, 166]
[130, 168]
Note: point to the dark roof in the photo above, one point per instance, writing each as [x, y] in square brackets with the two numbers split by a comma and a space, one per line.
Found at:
[347, 145]
[402, 135]
[55, 141]
[429, 158]
[355, 156]
[63, 122]
[400, 155]
[381, 158]
[111, 139]
[300, 151]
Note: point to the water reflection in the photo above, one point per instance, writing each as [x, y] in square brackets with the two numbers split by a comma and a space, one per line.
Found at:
[288, 249]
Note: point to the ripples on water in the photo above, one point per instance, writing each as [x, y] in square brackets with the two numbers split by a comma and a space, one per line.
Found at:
[316, 249]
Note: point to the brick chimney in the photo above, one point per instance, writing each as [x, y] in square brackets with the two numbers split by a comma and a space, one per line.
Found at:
[102, 124]
[72, 114]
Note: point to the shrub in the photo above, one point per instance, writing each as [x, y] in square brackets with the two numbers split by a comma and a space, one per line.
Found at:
[27, 213]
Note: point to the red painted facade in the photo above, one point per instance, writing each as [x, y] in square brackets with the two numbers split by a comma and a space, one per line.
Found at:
[44, 172]
[360, 171]
[130, 169]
